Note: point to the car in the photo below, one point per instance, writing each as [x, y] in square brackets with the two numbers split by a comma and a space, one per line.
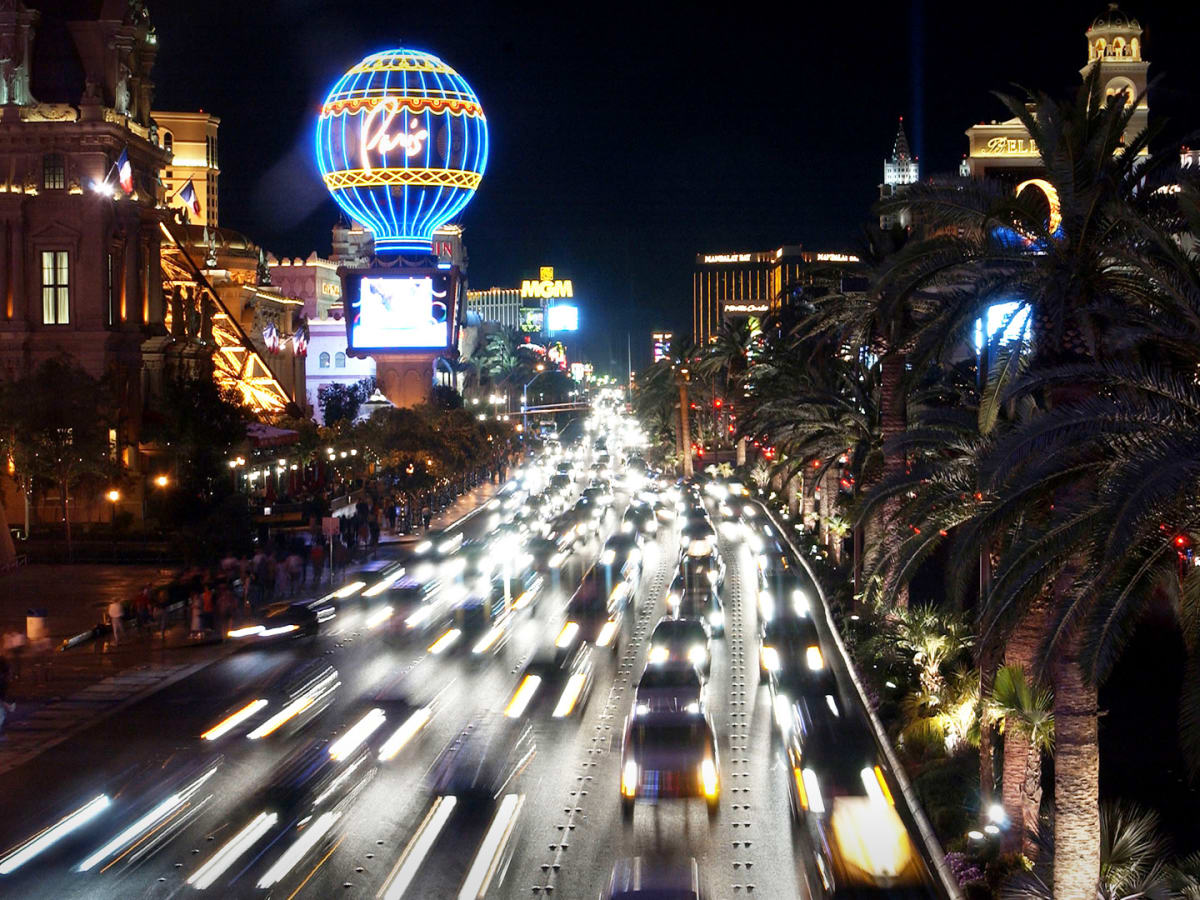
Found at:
[801, 700]
[640, 516]
[669, 687]
[667, 755]
[622, 557]
[559, 678]
[681, 640]
[643, 878]
[304, 693]
[542, 549]
[600, 493]
[415, 605]
[839, 794]
[521, 591]
[284, 620]
[789, 642]
[702, 559]
[561, 482]
[697, 529]
[595, 612]
[697, 598]
[484, 760]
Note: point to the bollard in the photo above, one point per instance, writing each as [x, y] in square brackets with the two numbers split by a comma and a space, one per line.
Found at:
[35, 624]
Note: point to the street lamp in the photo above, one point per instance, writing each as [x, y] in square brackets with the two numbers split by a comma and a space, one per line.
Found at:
[524, 404]
[113, 497]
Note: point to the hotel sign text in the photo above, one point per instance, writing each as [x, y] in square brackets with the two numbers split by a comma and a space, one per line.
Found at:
[547, 290]
[727, 257]
[1007, 146]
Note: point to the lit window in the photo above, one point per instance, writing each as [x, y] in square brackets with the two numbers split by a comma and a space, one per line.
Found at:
[55, 293]
[54, 172]
[339, 361]
[323, 361]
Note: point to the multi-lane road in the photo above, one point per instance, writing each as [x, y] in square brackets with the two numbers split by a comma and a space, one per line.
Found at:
[158, 811]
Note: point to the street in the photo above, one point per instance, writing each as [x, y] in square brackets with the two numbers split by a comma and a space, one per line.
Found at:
[558, 835]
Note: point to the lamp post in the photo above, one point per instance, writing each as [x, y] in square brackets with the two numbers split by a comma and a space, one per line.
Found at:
[524, 402]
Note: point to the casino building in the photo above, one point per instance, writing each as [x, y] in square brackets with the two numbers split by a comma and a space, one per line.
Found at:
[741, 285]
[1004, 150]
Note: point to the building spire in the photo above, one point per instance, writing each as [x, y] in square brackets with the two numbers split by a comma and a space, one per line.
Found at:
[900, 151]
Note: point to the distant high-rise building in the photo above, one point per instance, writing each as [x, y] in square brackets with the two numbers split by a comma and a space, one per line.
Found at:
[901, 170]
[191, 138]
[749, 285]
[660, 344]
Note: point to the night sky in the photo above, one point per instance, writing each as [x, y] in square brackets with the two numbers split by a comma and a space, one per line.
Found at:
[625, 139]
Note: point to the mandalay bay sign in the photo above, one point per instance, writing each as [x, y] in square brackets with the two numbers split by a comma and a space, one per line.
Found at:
[402, 145]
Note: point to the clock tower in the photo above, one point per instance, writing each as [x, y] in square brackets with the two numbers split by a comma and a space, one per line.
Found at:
[1114, 46]
[901, 170]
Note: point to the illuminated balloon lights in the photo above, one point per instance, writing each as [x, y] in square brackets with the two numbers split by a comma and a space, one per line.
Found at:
[402, 144]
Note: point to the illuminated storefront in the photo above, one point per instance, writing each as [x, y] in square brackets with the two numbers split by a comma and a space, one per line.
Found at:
[743, 285]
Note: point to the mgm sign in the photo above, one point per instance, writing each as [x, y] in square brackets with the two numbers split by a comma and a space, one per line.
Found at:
[546, 287]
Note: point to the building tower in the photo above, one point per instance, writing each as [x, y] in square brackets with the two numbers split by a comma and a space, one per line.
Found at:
[901, 170]
[1114, 45]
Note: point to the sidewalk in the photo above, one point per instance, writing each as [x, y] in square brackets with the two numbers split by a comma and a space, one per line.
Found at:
[59, 694]
[468, 503]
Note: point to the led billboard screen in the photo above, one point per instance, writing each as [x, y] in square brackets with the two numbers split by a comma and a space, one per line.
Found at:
[562, 318]
[398, 312]
[532, 319]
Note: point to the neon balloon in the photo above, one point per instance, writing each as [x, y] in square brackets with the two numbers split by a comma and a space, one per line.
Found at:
[402, 144]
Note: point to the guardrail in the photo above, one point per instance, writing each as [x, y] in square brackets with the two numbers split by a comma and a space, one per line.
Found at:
[934, 853]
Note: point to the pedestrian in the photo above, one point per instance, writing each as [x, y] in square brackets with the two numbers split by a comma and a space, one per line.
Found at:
[207, 608]
[5, 706]
[196, 626]
[317, 554]
[295, 568]
[116, 615]
[14, 648]
[426, 516]
[141, 607]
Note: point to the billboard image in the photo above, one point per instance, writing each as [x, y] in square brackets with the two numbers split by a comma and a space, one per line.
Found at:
[532, 319]
[563, 317]
[397, 312]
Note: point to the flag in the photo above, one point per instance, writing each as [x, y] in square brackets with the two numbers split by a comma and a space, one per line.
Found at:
[300, 340]
[125, 172]
[188, 196]
[271, 337]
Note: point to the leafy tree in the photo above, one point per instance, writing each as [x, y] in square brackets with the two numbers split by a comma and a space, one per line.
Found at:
[55, 431]
[340, 402]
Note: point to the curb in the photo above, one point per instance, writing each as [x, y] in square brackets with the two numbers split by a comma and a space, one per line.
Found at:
[933, 847]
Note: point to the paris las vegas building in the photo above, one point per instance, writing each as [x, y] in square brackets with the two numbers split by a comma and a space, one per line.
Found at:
[98, 261]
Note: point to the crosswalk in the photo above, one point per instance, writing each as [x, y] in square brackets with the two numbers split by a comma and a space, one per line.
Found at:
[55, 722]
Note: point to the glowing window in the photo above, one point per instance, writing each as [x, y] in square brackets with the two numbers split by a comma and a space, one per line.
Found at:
[56, 296]
[1010, 317]
[54, 172]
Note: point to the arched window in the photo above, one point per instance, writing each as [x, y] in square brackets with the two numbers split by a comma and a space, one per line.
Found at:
[339, 361]
[1135, 48]
[323, 361]
[1118, 46]
[168, 142]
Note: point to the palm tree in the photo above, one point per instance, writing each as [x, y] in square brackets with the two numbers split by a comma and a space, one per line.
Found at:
[1078, 279]
[729, 355]
[1020, 705]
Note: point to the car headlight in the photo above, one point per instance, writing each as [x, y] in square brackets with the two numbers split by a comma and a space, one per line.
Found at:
[641, 709]
[627, 527]
[708, 778]
[692, 708]
[659, 654]
[816, 662]
[770, 659]
[800, 602]
[608, 557]
[712, 576]
[717, 619]
[672, 600]
[629, 778]
[783, 713]
[697, 655]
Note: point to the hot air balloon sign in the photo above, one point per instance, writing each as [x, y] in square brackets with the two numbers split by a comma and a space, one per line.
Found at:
[402, 144]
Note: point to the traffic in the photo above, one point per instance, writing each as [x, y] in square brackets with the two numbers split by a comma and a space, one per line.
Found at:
[603, 683]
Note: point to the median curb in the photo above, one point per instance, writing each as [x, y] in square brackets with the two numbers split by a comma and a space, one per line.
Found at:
[934, 852]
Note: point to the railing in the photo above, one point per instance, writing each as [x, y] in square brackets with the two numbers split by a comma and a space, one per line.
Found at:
[935, 856]
[21, 559]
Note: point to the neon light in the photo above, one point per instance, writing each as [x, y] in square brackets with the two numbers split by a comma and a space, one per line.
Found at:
[401, 143]
[1051, 197]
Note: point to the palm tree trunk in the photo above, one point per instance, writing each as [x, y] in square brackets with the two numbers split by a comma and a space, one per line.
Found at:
[741, 452]
[1031, 798]
[1076, 780]
[987, 657]
[893, 421]
[66, 505]
[685, 428]
[792, 491]
[1021, 650]
[807, 503]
